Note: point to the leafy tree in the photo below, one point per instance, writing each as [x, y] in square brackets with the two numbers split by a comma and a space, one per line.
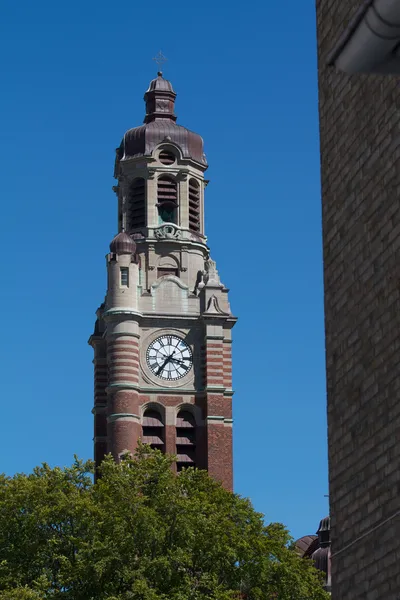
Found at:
[141, 533]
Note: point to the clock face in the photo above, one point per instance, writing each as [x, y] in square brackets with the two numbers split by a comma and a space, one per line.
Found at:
[169, 357]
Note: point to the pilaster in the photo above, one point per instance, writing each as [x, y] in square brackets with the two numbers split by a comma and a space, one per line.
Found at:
[218, 405]
[123, 419]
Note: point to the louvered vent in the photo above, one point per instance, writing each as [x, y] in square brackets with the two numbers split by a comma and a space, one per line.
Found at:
[167, 196]
[153, 429]
[137, 205]
[166, 158]
[185, 440]
[194, 205]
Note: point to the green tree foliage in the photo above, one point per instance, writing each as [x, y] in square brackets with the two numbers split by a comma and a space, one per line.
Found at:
[141, 533]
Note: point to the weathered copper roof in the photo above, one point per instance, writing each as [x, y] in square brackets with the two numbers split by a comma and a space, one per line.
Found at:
[322, 556]
[123, 244]
[318, 549]
[160, 127]
[160, 84]
[303, 544]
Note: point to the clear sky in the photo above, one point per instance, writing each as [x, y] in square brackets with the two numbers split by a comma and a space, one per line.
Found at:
[73, 77]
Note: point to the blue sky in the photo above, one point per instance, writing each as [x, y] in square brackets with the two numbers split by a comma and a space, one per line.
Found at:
[73, 78]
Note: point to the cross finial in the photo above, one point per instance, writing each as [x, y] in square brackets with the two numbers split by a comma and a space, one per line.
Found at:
[160, 59]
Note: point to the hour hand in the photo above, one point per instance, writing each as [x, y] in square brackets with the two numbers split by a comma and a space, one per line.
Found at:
[163, 365]
[170, 357]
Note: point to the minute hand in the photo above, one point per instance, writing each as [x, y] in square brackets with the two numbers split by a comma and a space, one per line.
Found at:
[180, 361]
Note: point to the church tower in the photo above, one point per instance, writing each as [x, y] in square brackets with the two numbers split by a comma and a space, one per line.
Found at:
[162, 338]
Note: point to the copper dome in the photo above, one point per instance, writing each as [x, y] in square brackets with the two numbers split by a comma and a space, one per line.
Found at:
[160, 84]
[159, 126]
[123, 244]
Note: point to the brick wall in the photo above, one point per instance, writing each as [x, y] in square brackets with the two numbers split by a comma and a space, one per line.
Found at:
[360, 156]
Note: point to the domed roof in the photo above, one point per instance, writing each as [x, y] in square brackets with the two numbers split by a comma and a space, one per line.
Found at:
[160, 84]
[306, 545]
[318, 548]
[123, 244]
[322, 555]
[159, 126]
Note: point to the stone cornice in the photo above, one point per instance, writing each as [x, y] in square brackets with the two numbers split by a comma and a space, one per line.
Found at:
[120, 310]
[125, 416]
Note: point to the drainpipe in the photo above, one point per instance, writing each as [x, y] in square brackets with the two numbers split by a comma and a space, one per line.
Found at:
[371, 43]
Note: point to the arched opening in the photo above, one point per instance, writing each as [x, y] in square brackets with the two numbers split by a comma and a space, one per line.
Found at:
[136, 213]
[194, 205]
[153, 429]
[166, 158]
[185, 440]
[167, 199]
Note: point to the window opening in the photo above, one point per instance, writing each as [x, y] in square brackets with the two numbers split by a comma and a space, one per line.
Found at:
[137, 204]
[194, 205]
[153, 429]
[124, 276]
[185, 440]
[167, 199]
[166, 158]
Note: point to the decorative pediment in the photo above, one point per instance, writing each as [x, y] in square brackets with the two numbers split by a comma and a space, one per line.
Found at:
[169, 279]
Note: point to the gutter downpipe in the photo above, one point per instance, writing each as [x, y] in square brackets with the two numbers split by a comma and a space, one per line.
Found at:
[371, 42]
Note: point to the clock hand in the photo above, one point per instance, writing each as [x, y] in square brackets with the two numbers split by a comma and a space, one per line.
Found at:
[178, 360]
[163, 365]
[165, 362]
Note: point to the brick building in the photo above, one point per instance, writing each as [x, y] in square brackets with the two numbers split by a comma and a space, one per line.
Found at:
[360, 171]
[162, 339]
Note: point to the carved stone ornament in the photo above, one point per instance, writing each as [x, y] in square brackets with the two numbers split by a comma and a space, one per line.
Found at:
[213, 307]
[168, 231]
[211, 276]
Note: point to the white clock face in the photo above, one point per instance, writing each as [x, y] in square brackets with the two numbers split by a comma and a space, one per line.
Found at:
[169, 357]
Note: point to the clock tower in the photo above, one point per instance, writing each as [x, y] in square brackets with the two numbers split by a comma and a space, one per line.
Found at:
[162, 338]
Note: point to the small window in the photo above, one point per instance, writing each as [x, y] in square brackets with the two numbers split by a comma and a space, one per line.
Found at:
[124, 276]
[166, 158]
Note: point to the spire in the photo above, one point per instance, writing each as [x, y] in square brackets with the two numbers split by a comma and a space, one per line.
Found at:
[160, 100]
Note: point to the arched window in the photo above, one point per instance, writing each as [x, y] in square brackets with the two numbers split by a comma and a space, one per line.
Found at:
[153, 429]
[194, 205]
[136, 213]
[185, 440]
[167, 199]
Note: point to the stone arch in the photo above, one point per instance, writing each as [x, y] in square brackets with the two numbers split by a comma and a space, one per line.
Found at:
[153, 425]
